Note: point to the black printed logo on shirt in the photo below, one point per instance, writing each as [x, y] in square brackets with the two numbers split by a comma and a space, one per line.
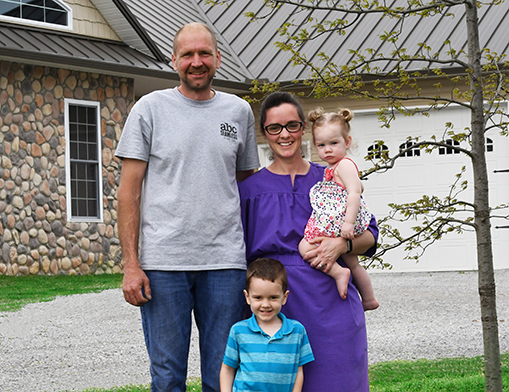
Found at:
[229, 131]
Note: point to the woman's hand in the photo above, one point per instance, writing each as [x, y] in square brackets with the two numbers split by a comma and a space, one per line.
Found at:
[329, 249]
[326, 253]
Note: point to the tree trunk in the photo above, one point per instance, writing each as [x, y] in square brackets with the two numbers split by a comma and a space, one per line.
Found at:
[493, 372]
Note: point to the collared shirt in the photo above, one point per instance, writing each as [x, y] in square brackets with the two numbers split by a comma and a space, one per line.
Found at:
[267, 363]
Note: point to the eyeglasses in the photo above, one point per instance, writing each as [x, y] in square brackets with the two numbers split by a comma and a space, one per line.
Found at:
[276, 129]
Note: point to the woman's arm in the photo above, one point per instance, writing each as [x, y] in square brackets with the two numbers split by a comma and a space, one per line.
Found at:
[226, 377]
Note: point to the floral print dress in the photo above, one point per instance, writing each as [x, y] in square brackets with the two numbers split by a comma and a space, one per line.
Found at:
[328, 199]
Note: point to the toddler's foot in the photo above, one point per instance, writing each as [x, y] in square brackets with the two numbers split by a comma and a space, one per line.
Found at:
[370, 305]
[342, 276]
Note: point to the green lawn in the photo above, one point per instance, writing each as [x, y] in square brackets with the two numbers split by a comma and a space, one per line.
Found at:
[443, 375]
[17, 291]
[192, 386]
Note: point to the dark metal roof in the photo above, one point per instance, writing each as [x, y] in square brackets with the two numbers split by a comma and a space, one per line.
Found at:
[254, 41]
[47, 46]
[162, 19]
[248, 52]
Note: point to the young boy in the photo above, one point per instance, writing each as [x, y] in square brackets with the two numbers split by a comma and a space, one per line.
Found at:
[267, 351]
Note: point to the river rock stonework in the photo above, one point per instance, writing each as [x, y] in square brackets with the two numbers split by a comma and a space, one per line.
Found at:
[35, 234]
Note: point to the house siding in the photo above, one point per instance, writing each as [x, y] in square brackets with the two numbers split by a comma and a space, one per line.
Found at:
[36, 236]
[87, 20]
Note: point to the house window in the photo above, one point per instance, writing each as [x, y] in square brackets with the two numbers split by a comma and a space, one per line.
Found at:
[52, 12]
[489, 145]
[449, 150]
[84, 175]
[414, 152]
[377, 151]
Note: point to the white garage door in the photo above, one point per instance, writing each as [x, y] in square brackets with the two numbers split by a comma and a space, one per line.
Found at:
[432, 174]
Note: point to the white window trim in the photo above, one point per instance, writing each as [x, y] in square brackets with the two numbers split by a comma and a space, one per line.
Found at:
[70, 218]
[22, 21]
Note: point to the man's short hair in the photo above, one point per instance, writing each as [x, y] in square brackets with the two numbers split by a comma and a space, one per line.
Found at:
[195, 26]
[267, 269]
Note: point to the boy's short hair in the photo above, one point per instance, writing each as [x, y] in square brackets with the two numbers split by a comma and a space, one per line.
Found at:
[267, 269]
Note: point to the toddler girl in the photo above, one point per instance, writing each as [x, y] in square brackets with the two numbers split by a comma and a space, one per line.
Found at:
[338, 208]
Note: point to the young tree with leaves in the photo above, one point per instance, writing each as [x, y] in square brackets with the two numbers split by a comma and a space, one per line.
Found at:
[394, 75]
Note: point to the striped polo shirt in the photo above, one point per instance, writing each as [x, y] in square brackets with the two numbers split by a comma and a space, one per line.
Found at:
[267, 363]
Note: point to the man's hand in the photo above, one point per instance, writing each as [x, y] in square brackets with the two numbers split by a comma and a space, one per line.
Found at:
[136, 287]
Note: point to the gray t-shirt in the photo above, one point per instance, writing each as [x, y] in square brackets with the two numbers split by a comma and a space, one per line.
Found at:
[190, 208]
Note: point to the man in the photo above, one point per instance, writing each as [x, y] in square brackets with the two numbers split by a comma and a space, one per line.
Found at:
[187, 146]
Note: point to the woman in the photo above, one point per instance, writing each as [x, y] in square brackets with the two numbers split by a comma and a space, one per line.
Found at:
[275, 210]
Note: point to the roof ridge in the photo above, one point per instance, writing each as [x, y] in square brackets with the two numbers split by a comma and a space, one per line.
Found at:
[140, 30]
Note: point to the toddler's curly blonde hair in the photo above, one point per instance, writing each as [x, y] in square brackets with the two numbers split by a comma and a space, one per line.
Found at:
[318, 118]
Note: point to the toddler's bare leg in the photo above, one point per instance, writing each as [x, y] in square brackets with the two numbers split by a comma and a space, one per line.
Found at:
[339, 274]
[305, 247]
[362, 282]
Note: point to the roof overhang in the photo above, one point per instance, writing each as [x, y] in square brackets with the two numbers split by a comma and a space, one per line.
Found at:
[47, 48]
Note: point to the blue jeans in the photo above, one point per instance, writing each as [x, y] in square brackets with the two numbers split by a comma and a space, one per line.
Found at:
[218, 302]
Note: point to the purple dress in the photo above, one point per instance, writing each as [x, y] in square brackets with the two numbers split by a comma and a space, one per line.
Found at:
[274, 214]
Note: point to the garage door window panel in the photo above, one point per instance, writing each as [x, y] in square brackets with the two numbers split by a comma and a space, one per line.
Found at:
[414, 152]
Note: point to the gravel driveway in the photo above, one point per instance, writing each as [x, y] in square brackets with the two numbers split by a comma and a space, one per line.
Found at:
[96, 340]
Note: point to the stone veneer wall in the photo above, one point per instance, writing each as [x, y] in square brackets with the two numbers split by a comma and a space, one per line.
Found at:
[35, 235]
